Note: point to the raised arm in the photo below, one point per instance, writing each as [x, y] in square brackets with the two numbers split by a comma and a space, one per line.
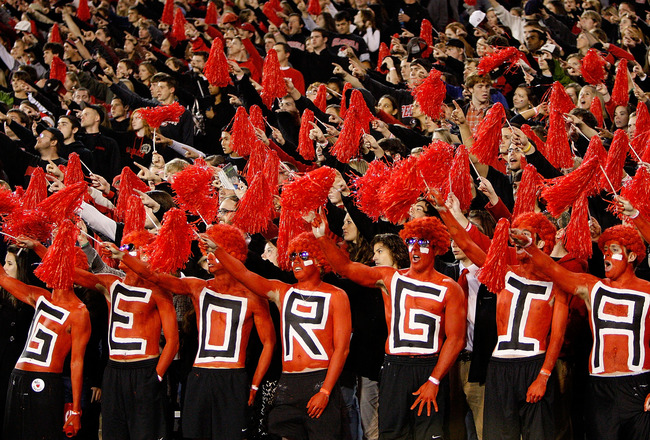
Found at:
[24, 292]
[170, 330]
[570, 282]
[342, 330]
[455, 331]
[458, 233]
[268, 289]
[626, 208]
[80, 334]
[266, 332]
[356, 272]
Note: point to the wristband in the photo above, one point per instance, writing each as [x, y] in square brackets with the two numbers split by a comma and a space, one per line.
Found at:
[528, 147]
[392, 68]
[545, 372]
[536, 111]
[633, 216]
[254, 387]
[159, 378]
[324, 391]
[434, 381]
[75, 413]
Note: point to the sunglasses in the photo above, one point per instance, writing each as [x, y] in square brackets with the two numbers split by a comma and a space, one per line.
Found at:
[304, 255]
[420, 241]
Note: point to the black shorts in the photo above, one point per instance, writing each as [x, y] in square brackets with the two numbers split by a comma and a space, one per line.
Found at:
[401, 376]
[615, 407]
[289, 417]
[133, 401]
[507, 414]
[215, 403]
[34, 408]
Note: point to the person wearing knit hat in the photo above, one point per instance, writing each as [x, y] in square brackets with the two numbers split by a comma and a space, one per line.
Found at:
[425, 315]
[316, 330]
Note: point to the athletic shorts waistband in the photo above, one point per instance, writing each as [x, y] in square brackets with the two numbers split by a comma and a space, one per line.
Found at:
[145, 363]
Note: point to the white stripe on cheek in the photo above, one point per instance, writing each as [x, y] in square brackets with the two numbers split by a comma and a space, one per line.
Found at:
[617, 257]
[411, 248]
[307, 263]
[424, 250]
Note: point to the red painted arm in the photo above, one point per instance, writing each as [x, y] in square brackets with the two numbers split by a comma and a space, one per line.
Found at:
[357, 272]
[24, 292]
[499, 210]
[179, 286]
[643, 226]
[266, 332]
[462, 238]
[170, 330]
[252, 281]
[80, 334]
[455, 331]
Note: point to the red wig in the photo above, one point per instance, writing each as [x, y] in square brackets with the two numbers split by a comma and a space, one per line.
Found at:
[230, 238]
[540, 225]
[140, 239]
[428, 228]
[307, 242]
[625, 236]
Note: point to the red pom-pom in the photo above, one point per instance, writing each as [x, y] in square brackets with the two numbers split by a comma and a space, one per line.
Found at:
[57, 268]
[276, 5]
[178, 27]
[593, 67]
[642, 132]
[460, 179]
[216, 68]
[168, 13]
[273, 85]
[383, 53]
[63, 204]
[271, 14]
[309, 192]
[9, 202]
[55, 34]
[426, 33]
[470, 2]
[305, 144]
[211, 14]
[577, 237]
[488, 136]
[596, 108]
[344, 103]
[430, 94]
[494, 270]
[172, 247]
[491, 61]
[320, 101]
[31, 223]
[357, 121]
[73, 172]
[140, 239]
[271, 171]
[58, 69]
[566, 190]
[290, 227]
[368, 188]
[135, 217]
[255, 210]
[615, 161]
[156, 116]
[401, 190]
[129, 182]
[539, 144]
[243, 133]
[560, 99]
[314, 7]
[620, 92]
[557, 142]
[637, 191]
[529, 186]
[257, 117]
[195, 192]
[83, 12]
[255, 163]
[36, 191]
[433, 166]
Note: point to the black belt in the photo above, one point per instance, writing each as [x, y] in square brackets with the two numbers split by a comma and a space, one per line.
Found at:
[465, 356]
